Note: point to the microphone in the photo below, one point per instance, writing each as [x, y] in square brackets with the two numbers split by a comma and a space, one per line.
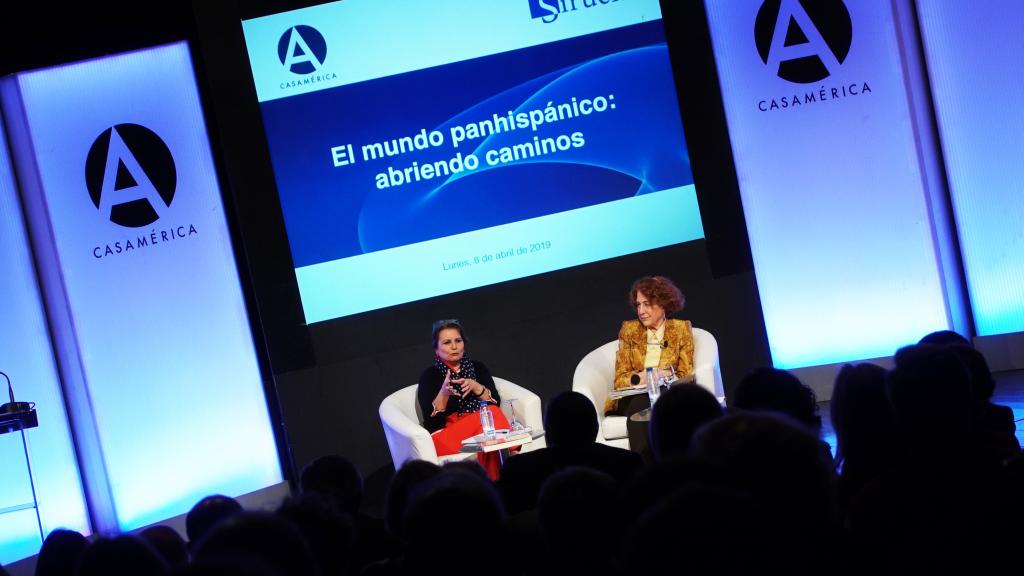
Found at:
[10, 389]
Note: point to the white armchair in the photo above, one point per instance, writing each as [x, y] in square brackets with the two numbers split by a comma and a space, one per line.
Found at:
[409, 440]
[595, 376]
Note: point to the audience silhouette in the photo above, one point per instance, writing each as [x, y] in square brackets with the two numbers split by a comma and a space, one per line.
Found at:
[680, 411]
[61, 552]
[207, 513]
[926, 480]
[570, 423]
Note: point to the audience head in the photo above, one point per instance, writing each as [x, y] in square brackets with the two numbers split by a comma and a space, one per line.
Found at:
[337, 480]
[945, 338]
[455, 510]
[771, 389]
[774, 459]
[467, 466]
[168, 544]
[405, 481]
[570, 421]
[983, 385]
[258, 537]
[862, 417]
[60, 554]
[328, 531]
[126, 555]
[570, 504]
[708, 530]
[679, 412]
[930, 393]
[207, 513]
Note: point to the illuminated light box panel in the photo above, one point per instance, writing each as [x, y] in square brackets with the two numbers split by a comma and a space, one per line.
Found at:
[26, 356]
[831, 178]
[426, 147]
[977, 79]
[149, 324]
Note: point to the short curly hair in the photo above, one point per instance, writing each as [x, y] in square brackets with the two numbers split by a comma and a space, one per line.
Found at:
[660, 291]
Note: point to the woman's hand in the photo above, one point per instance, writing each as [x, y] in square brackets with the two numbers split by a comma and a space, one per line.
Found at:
[469, 386]
[440, 402]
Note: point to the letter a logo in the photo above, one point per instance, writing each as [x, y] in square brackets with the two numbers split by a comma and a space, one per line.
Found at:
[803, 41]
[130, 175]
[302, 49]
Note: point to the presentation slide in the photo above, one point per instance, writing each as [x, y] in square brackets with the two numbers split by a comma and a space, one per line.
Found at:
[427, 147]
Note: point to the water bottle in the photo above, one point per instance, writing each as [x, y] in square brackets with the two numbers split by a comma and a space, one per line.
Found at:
[486, 419]
[653, 391]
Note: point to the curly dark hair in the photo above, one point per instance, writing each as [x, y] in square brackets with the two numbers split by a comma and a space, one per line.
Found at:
[659, 290]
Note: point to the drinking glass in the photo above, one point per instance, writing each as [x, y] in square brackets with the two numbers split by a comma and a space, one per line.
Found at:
[514, 424]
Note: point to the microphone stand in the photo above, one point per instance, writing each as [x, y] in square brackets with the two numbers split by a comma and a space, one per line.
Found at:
[28, 462]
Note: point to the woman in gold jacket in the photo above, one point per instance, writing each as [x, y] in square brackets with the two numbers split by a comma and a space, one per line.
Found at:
[651, 341]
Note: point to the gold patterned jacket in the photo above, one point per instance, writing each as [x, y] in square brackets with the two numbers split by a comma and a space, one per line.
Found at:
[676, 351]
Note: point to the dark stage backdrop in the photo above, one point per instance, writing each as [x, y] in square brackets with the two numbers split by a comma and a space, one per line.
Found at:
[532, 331]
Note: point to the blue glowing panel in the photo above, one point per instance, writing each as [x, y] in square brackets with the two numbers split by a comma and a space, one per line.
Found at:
[422, 148]
[830, 177]
[27, 358]
[977, 76]
[158, 327]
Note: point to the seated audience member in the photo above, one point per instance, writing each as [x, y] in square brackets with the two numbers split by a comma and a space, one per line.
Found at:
[994, 434]
[570, 424]
[680, 411]
[60, 554]
[930, 391]
[404, 482]
[328, 532]
[708, 530]
[168, 544]
[994, 437]
[455, 525]
[774, 390]
[257, 538]
[659, 480]
[572, 502]
[771, 389]
[336, 479]
[867, 441]
[207, 513]
[920, 517]
[126, 555]
[779, 463]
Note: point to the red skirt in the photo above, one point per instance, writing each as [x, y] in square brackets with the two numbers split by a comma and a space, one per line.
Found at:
[457, 428]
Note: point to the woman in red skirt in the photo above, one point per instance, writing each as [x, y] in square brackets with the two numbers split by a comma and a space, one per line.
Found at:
[450, 392]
